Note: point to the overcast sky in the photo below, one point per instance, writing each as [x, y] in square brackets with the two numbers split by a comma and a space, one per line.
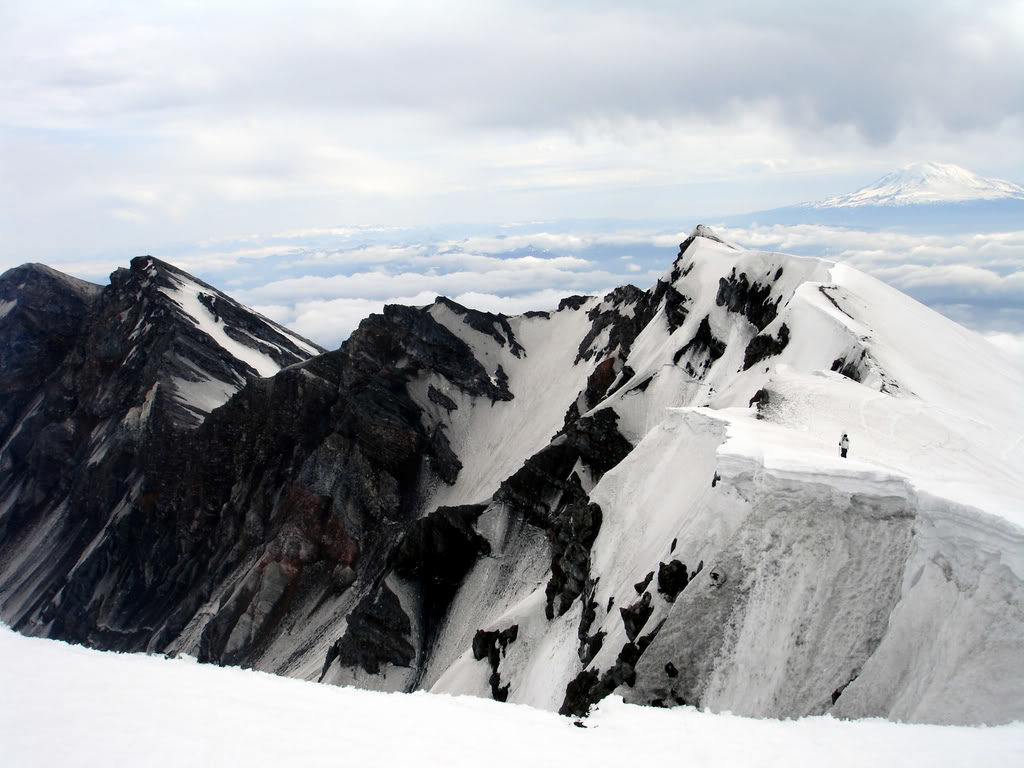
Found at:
[130, 125]
[320, 158]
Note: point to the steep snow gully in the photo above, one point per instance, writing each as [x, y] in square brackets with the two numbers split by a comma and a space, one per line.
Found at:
[639, 493]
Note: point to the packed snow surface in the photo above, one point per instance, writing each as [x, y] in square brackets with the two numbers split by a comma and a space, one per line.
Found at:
[70, 706]
[927, 183]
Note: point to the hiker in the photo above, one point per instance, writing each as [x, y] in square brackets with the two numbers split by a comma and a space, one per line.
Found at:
[844, 445]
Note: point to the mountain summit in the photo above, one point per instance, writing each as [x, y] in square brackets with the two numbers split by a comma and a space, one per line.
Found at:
[926, 183]
[640, 493]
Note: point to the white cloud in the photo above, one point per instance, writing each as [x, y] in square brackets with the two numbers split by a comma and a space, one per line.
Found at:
[380, 284]
[964, 277]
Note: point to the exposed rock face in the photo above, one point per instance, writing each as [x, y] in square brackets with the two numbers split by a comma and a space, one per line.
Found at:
[492, 645]
[763, 346]
[621, 328]
[575, 528]
[437, 551]
[379, 632]
[221, 526]
[44, 312]
[753, 300]
[115, 431]
[588, 688]
[703, 343]
[673, 578]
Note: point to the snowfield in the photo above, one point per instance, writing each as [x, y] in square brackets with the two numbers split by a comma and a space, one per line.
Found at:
[927, 183]
[69, 706]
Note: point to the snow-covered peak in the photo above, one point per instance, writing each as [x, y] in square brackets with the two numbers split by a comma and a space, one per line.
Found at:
[644, 493]
[927, 183]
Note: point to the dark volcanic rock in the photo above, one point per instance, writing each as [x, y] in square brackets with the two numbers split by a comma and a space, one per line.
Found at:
[94, 460]
[763, 346]
[437, 396]
[641, 586]
[598, 382]
[622, 328]
[753, 300]
[438, 550]
[533, 491]
[597, 440]
[577, 523]
[404, 341]
[572, 302]
[672, 579]
[675, 305]
[581, 694]
[851, 369]
[589, 687]
[703, 342]
[491, 645]
[636, 615]
[297, 487]
[44, 314]
[378, 633]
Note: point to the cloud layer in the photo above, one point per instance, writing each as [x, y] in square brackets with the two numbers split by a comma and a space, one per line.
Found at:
[322, 282]
[126, 126]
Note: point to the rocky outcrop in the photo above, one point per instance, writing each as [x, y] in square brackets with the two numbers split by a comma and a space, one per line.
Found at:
[437, 551]
[704, 348]
[621, 326]
[590, 685]
[492, 645]
[750, 299]
[763, 346]
[576, 525]
[378, 633]
[851, 369]
[673, 578]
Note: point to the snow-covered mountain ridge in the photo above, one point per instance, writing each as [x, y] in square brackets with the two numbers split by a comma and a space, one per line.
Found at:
[926, 182]
[638, 493]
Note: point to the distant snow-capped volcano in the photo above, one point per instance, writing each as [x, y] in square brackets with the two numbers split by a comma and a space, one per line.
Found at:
[926, 183]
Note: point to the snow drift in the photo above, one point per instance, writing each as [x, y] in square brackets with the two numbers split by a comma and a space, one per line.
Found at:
[175, 712]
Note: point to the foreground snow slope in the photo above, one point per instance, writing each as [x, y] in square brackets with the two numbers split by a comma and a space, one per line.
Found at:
[65, 705]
